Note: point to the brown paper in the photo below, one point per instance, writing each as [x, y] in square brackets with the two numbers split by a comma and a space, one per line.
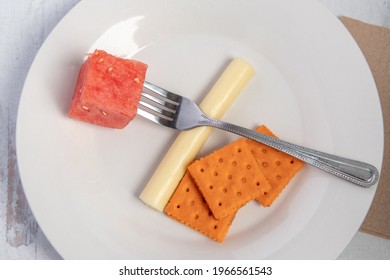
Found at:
[374, 41]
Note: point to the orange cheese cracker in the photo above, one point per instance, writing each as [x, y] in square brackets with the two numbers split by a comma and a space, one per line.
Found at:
[278, 167]
[188, 207]
[229, 178]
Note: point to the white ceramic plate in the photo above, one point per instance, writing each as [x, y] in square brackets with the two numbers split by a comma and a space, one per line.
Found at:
[312, 87]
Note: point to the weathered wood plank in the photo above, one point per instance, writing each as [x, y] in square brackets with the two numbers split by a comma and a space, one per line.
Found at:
[21, 227]
[24, 26]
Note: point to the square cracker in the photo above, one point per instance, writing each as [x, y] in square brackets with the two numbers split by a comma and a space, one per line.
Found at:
[188, 207]
[278, 167]
[229, 178]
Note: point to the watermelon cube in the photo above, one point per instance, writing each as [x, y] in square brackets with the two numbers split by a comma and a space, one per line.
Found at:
[108, 90]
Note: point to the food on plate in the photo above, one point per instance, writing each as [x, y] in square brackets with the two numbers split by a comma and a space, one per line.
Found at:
[278, 167]
[183, 151]
[229, 178]
[204, 194]
[188, 207]
[108, 90]
[216, 186]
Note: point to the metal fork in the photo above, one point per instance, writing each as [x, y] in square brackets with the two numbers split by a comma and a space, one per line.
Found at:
[178, 112]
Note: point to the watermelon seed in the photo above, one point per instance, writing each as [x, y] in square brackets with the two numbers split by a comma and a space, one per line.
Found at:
[110, 69]
[104, 113]
[85, 107]
[137, 80]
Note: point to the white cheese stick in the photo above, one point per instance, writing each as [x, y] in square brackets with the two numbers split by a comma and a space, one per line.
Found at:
[186, 146]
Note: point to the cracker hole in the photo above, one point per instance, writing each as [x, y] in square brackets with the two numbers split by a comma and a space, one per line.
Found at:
[264, 164]
[248, 166]
[192, 203]
[278, 177]
[202, 170]
[238, 194]
[196, 217]
[215, 173]
[243, 180]
[292, 161]
[265, 193]
[225, 190]
[178, 206]
[230, 177]
[215, 227]
[211, 187]
[234, 163]
[278, 163]
[187, 189]
[238, 150]
[220, 160]
[264, 151]
[220, 204]
[257, 183]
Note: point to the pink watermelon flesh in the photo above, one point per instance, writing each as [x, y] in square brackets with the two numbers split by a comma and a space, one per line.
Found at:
[108, 90]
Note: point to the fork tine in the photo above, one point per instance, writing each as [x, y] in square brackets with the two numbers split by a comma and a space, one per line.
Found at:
[163, 92]
[156, 110]
[164, 103]
[159, 105]
[152, 117]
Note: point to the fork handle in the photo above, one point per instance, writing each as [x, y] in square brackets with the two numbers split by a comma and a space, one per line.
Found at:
[359, 173]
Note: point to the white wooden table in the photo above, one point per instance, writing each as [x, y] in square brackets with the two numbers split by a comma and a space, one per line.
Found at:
[24, 25]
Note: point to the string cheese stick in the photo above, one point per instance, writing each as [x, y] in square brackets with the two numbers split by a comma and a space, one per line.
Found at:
[186, 146]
